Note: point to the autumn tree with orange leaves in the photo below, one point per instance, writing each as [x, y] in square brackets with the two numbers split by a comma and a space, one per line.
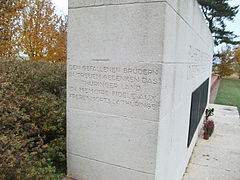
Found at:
[236, 61]
[230, 62]
[31, 27]
[10, 11]
[225, 68]
[43, 33]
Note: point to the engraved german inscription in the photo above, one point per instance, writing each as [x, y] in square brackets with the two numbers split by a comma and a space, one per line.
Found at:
[133, 86]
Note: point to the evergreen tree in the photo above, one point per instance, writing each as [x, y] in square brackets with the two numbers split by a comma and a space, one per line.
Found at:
[215, 13]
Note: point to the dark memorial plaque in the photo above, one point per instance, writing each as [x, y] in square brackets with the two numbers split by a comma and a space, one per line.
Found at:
[198, 105]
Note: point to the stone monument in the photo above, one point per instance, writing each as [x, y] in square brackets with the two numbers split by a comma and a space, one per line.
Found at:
[137, 87]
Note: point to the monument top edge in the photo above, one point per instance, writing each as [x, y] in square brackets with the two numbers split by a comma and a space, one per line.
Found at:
[89, 3]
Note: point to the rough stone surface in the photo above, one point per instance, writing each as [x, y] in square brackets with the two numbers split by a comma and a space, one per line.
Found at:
[219, 157]
[132, 67]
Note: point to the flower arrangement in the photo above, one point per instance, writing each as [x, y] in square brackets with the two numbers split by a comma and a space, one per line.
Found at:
[209, 112]
[208, 127]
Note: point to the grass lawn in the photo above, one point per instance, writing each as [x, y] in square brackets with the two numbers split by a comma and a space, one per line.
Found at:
[229, 93]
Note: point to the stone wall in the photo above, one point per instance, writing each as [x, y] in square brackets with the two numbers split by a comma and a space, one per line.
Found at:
[132, 68]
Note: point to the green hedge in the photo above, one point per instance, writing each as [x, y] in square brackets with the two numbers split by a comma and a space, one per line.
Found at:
[32, 120]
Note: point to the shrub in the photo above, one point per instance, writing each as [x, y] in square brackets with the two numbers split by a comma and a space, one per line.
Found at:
[32, 120]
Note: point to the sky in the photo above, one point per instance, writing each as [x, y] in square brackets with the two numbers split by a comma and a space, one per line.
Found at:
[62, 8]
[235, 25]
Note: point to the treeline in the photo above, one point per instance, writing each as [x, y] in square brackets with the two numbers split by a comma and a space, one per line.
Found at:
[230, 62]
[31, 28]
[216, 13]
